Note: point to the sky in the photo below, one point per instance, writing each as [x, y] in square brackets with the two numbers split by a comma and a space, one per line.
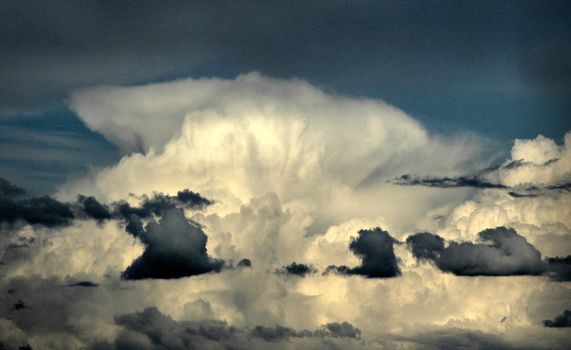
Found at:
[285, 175]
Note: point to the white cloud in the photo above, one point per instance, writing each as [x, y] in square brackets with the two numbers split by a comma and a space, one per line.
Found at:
[295, 174]
[541, 162]
[237, 139]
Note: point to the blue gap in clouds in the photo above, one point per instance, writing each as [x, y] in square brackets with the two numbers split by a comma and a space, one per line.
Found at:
[41, 152]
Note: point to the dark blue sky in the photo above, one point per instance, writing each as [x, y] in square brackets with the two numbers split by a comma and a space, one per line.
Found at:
[497, 68]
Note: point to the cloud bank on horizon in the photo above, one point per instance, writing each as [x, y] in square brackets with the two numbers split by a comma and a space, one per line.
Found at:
[291, 233]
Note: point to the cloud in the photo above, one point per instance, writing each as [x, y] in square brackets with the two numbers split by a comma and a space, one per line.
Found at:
[35, 211]
[162, 331]
[559, 268]
[295, 269]
[375, 249]
[9, 190]
[193, 38]
[459, 339]
[280, 333]
[19, 305]
[289, 178]
[537, 167]
[93, 209]
[87, 284]
[174, 248]
[445, 182]
[50, 212]
[563, 320]
[502, 252]
[245, 263]
[425, 245]
[344, 329]
[541, 161]
[236, 139]
[157, 204]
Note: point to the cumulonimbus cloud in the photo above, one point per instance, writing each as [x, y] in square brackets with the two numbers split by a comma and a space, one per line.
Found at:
[291, 174]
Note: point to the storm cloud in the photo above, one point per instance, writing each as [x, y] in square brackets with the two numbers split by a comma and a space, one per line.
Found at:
[502, 252]
[425, 245]
[559, 268]
[174, 247]
[560, 321]
[94, 209]
[42, 210]
[50, 212]
[375, 249]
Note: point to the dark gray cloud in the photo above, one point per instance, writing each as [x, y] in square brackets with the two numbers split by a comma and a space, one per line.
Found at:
[50, 212]
[566, 186]
[425, 245]
[9, 190]
[35, 211]
[478, 180]
[19, 305]
[156, 204]
[343, 329]
[164, 332]
[245, 263]
[502, 252]
[445, 182]
[273, 334]
[87, 284]
[560, 321]
[536, 191]
[160, 202]
[375, 249]
[160, 331]
[522, 195]
[94, 209]
[297, 269]
[559, 268]
[174, 247]
[192, 199]
[449, 339]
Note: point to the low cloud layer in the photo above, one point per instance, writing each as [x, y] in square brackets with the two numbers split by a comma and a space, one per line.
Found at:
[150, 329]
[451, 339]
